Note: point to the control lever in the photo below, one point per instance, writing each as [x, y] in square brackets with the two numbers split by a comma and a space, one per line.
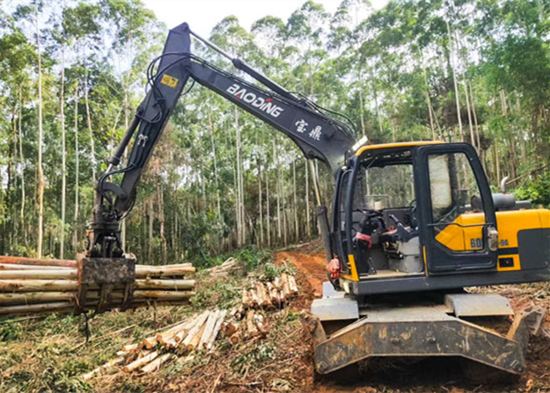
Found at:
[403, 233]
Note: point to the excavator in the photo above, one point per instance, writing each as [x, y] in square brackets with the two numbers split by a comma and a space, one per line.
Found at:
[413, 225]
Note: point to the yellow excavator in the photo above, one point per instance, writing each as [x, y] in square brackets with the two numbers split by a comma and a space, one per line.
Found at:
[412, 225]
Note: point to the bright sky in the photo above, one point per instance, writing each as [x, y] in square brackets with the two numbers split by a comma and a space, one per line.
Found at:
[203, 15]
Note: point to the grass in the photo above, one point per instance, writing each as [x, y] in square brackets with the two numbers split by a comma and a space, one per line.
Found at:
[49, 354]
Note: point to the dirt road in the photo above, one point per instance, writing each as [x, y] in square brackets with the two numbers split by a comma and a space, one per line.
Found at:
[312, 266]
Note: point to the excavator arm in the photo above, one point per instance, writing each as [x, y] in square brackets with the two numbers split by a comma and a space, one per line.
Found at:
[315, 133]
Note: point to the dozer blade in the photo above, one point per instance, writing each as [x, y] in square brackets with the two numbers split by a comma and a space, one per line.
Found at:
[423, 331]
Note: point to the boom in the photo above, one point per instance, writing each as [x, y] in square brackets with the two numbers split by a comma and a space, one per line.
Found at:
[316, 134]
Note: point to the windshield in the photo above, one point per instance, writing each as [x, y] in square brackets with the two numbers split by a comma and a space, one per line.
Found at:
[391, 186]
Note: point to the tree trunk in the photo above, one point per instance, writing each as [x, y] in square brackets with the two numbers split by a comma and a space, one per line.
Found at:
[278, 191]
[22, 161]
[126, 124]
[457, 94]
[260, 201]
[471, 126]
[41, 184]
[218, 202]
[308, 222]
[89, 123]
[150, 236]
[63, 155]
[77, 171]
[296, 222]
[161, 221]
[239, 209]
[476, 126]
[268, 213]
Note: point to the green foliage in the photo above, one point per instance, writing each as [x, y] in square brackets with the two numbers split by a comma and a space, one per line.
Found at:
[537, 191]
[254, 358]
[252, 257]
[10, 330]
[220, 294]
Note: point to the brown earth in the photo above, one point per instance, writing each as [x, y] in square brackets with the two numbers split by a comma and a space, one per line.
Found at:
[439, 375]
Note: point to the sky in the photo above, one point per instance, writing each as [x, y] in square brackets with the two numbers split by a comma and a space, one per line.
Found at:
[203, 15]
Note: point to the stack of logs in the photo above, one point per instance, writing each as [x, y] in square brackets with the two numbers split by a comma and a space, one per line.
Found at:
[197, 333]
[29, 285]
[225, 268]
[271, 294]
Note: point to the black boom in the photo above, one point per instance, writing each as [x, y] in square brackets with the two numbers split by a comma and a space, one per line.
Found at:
[316, 134]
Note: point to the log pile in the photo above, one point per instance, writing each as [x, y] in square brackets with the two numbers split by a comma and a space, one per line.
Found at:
[225, 268]
[196, 333]
[29, 285]
[271, 294]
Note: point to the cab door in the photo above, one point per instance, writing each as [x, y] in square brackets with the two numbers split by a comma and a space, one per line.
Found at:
[457, 219]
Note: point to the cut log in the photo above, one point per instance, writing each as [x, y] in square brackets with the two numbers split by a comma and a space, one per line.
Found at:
[293, 286]
[286, 287]
[65, 274]
[245, 299]
[208, 328]
[210, 340]
[37, 262]
[8, 266]
[131, 347]
[165, 284]
[34, 297]
[255, 302]
[163, 337]
[260, 324]
[281, 296]
[194, 343]
[162, 271]
[136, 364]
[273, 294]
[180, 336]
[37, 285]
[264, 296]
[174, 266]
[37, 308]
[251, 328]
[277, 283]
[157, 363]
[194, 332]
[235, 338]
[230, 328]
[100, 369]
[150, 342]
[259, 293]
[162, 295]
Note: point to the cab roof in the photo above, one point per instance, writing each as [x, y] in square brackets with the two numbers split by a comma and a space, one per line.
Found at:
[395, 145]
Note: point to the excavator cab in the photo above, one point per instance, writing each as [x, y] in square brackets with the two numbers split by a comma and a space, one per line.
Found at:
[421, 216]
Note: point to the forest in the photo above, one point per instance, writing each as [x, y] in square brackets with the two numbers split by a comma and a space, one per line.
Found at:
[72, 73]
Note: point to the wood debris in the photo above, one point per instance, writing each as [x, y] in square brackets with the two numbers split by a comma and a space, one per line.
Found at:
[196, 333]
[225, 268]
